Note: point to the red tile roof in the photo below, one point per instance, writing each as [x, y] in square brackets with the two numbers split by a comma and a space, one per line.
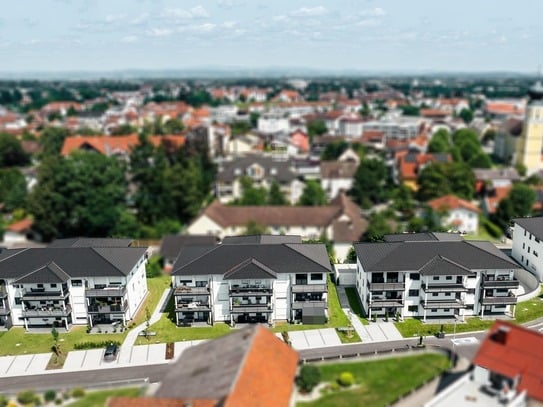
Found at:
[493, 198]
[158, 402]
[21, 226]
[448, 202]
[512, 350]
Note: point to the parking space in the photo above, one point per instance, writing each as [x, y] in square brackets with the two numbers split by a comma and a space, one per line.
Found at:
[75, 360]
[5, 363]
[20, 365]
[314, 338]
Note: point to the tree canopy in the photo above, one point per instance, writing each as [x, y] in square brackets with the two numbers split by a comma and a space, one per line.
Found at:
[11, 152]
[369, 184]
[313, 194]
[439, 179]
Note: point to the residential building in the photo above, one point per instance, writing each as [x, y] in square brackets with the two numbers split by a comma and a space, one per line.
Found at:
[435, 276]
[409, 164]
[252, 279]
[527, 245]
[487, 178]
[530, 143]
[401, 128]
[507, 138]
[341, 222]
[262, 171]
[72, 282]
[171, 245]
[455, 213]
[506, 371]
[273, 123]
[351, 126]
[249, 367]
[337, 176]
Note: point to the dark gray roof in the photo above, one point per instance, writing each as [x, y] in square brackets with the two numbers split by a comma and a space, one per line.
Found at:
[77, 262]
[171, 245]
[422, 237]
[281, 171]
[264, 239]
[532, 225]
[91, 242]
[412, 256]
[280, 258]
[441, 266]
[208, 370]
[49, 273]
[249, 269]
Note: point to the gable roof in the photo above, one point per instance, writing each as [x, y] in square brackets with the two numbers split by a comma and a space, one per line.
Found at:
[49, 273]
[91, 242]
[266, 239]
[273, 169]
[249, 269]
[76, 262]
[422, 237]
[22, 226]
[338, 169]
[171, 245]
[442, 266]
[274, 258]
[448, 202]
[248, 367]
[514, 351]
[533, 225]
[414, 255]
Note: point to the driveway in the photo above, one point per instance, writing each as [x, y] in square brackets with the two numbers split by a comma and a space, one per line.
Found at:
[314, 338]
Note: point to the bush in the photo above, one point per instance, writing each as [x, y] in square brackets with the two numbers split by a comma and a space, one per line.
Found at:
[3, 401]
[78, 392]
[27, 397]
[491, 228]
[66, 395]
[153, 268]
[59, 401]
[50, 395]
[308, 378]
[346, 379]
[95, 345]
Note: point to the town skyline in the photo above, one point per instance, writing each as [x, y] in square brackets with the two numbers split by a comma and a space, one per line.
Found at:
[369, 36]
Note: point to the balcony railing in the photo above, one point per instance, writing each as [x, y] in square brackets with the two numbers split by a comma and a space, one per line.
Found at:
[107, 308]
[248, 291]
[442, 304]
[4, 311]
[499, 300]
[309, 288]
[193, 306]
[512, 283]
[106, 292]
[41, 294]
[377, 302]
[47, 312]
[3, 292]
[444, 288]
[186, 290]
[252, 308]
[304, 304]
[388, 286]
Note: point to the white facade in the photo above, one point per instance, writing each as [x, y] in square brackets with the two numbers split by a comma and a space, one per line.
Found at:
[273, 124]
[462, 220]
[528, 251]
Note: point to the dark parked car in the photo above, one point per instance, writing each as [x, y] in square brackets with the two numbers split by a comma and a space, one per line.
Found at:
[111, 352]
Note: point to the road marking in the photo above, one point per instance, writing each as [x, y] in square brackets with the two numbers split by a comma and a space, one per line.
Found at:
[465, 341]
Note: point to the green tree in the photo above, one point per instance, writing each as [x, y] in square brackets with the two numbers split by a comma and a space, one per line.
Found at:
[81, 195]
[173, 126]
[380, 224]
[308, 378]
[466, 115]
[409, 110]
[254, 228]
[351, 256]
[275, 195]
[369, 183]
[11, 152]
[440, 142]
[253, 119]
[334, 150]
[438, 179]
[252, 195]
[316, 127]
[403, 200]
[480, 160]
[52, 139]
[12, 189]
[313, 194]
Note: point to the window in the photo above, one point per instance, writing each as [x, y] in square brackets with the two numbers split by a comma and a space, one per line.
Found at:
[413, 293]
[446, 310]
[528, 249]
[435, 278]
[523, 245]
[316, 276]
[40, 285]
[414, 276]
[18, 300]
[77, 283]
[53, 285]
[535, 254]
[201, 283]
[448, 294]
[413, 308]
[448, 278]
[433, 310]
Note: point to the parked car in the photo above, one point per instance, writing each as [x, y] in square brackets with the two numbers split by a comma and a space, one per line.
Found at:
[111, 352]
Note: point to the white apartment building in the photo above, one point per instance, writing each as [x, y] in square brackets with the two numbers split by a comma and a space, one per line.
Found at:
[527, 245]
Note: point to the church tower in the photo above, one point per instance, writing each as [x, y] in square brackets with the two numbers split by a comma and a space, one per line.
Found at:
[530, 143]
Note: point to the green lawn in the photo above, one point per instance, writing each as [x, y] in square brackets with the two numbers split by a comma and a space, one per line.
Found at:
[99, 398]
[17, 342]
[379, 382]
[354, 303]
[529, 310]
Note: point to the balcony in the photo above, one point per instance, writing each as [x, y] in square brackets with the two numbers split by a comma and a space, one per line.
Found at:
[193, 306]
[47, 312]
[3, 292]
[186, 290]
[378, 302]
[4, 310]
[388, 286]
[309, 288]
[248, 291]
[41, 294]
[499, 300]
[304, 304]
[442, 304]
[107, 308]
[112, 291]
[240, 308]
[511, 283]
[444, 288]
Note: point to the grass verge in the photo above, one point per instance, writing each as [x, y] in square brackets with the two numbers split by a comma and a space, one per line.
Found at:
[412, 327]
[354, 303]
[379, 383]
[98, 398]
[529, 310]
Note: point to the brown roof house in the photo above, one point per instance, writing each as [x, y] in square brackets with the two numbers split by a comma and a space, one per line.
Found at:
[250, 367]
[341, 221]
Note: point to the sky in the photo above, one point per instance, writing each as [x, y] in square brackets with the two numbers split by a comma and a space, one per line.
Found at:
[364, 35]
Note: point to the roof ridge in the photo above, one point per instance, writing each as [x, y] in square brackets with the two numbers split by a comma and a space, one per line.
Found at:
[94, 249]
[307, 257]
[213, 248]
[470, 242]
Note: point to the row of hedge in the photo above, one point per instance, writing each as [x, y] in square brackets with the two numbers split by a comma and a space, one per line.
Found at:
[95, 345]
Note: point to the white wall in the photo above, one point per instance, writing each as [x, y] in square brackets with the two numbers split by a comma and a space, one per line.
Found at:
[524, 241]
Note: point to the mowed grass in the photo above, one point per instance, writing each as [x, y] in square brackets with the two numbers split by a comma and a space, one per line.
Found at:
[529, 310]
[354, 303]
[17, 341]
[380, 382]
[99, 398]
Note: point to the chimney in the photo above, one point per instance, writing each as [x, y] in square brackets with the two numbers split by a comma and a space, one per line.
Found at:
[500, 336]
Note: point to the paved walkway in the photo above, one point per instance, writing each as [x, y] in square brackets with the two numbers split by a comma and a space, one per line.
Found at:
[132, 335]
[314, 338]
[375, 331]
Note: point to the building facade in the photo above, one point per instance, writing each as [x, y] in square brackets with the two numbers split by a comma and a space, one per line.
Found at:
[527, 244]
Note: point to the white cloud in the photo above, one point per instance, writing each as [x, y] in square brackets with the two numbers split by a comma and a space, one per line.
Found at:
[374, 12]
[369, 22]
[310, 11]
[229, 24]
[199, 11]
[159, 32]
[207, 27]
[112, 18]
[129, 38]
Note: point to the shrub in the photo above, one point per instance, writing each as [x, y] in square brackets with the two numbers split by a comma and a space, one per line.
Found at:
[27, 397]
[153, 268]
[308, 378]
[66, 395]
[3, 401]
[50, 395]
[95, 345]
[78, 392]
[346, 379]
[59, 401]
[491, 228]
